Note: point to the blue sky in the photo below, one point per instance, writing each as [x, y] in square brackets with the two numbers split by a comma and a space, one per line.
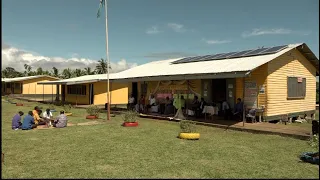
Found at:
[145, 30]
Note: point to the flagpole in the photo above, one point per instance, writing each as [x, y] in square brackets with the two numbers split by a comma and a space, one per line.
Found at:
[108, 61]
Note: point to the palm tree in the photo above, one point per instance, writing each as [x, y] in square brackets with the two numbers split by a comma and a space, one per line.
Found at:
[77, 72]
[88, 71]
[55, 72]
[67, 73]
[39, 71]
[101, 68]
[27, 71]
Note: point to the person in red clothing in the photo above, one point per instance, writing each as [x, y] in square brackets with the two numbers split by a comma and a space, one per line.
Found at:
[142, 103]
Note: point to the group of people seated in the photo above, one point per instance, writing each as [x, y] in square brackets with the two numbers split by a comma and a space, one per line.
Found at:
[34, 119]
[169, 106]
[237, 112]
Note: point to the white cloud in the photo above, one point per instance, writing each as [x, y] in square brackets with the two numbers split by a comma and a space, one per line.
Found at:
[177, 27]
[16, 58]
[275, 31]
[153, 30]
[217, 41]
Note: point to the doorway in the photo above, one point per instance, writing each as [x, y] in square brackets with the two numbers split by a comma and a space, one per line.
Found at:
[219, 90]
[135, 92]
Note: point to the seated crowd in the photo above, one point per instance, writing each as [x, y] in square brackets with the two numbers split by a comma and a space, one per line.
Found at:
[170, 106]
[34, 119]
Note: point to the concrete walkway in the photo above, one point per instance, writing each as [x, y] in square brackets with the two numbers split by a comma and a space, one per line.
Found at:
[264, 128]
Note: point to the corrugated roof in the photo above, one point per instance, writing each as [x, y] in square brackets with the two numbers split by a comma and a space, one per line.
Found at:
[166, 68]
[17, 79]
[235, 67]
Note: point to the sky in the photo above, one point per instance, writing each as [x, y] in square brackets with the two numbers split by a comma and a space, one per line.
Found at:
[67, 33]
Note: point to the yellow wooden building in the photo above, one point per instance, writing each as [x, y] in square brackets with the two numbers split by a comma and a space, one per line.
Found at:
[27, 86]
[280, 79]
[91, 89]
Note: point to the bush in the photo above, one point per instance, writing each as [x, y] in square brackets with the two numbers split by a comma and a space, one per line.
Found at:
[314, 141]
[187, 126]
[67, 108]
[93, 111]
[130, 116]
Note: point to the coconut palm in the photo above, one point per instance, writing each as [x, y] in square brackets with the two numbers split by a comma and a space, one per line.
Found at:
[78, 72]
[101, 68]
[67, 73]
[55, 72]
[88, 71]
[27, 71]
[39, 71]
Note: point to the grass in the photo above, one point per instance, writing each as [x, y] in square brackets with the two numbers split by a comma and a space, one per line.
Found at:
[150, 150]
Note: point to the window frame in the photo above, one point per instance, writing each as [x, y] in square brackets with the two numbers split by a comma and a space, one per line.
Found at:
[80, 90]
[300, 92]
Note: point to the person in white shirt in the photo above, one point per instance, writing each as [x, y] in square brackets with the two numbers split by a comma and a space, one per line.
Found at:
[152, 101]
[47, 116]
[226, 109]
[131, 102]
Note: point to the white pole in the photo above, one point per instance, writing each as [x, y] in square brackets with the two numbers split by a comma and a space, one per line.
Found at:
[108, 62]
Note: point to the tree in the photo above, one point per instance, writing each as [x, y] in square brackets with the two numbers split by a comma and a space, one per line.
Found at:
[77, 72]
[101, 68]
[10, 72]
[27, 71]
[39, 71]
[88, 71]
[55, 72]
[67, 73]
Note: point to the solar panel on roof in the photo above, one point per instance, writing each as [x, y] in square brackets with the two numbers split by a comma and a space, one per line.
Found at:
[214, 56]
[245, 53]
[226, 55]
[255, 52]
[273, 49]
[239, 54]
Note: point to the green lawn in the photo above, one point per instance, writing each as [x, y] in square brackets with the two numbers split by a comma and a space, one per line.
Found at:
[150, 150]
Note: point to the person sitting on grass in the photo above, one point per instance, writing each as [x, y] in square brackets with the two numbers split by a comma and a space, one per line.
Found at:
[47, 116]
[28, 122]
[37, 118]
[16, 121]
[61, 121]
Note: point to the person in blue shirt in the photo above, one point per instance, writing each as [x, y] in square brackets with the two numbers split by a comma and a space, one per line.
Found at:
[28, 122]
[16, 121]
[238, 109]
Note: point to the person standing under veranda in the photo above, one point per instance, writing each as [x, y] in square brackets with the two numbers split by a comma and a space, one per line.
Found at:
[131, 102]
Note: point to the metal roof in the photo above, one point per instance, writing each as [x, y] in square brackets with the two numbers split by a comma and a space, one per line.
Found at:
[17, 79]
[165, 70]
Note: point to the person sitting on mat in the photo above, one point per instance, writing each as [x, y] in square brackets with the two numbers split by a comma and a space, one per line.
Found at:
[37, 118]
[61, 121]
[47, 115]
[16, 121]
[28, 122]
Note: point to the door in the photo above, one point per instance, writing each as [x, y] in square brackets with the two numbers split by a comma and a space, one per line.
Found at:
[219, 90]
[135, 91]
[91, 94]
[230, 91]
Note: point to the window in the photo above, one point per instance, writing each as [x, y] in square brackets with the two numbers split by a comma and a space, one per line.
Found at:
[77, 89]
[296, 87]
[17, 85]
